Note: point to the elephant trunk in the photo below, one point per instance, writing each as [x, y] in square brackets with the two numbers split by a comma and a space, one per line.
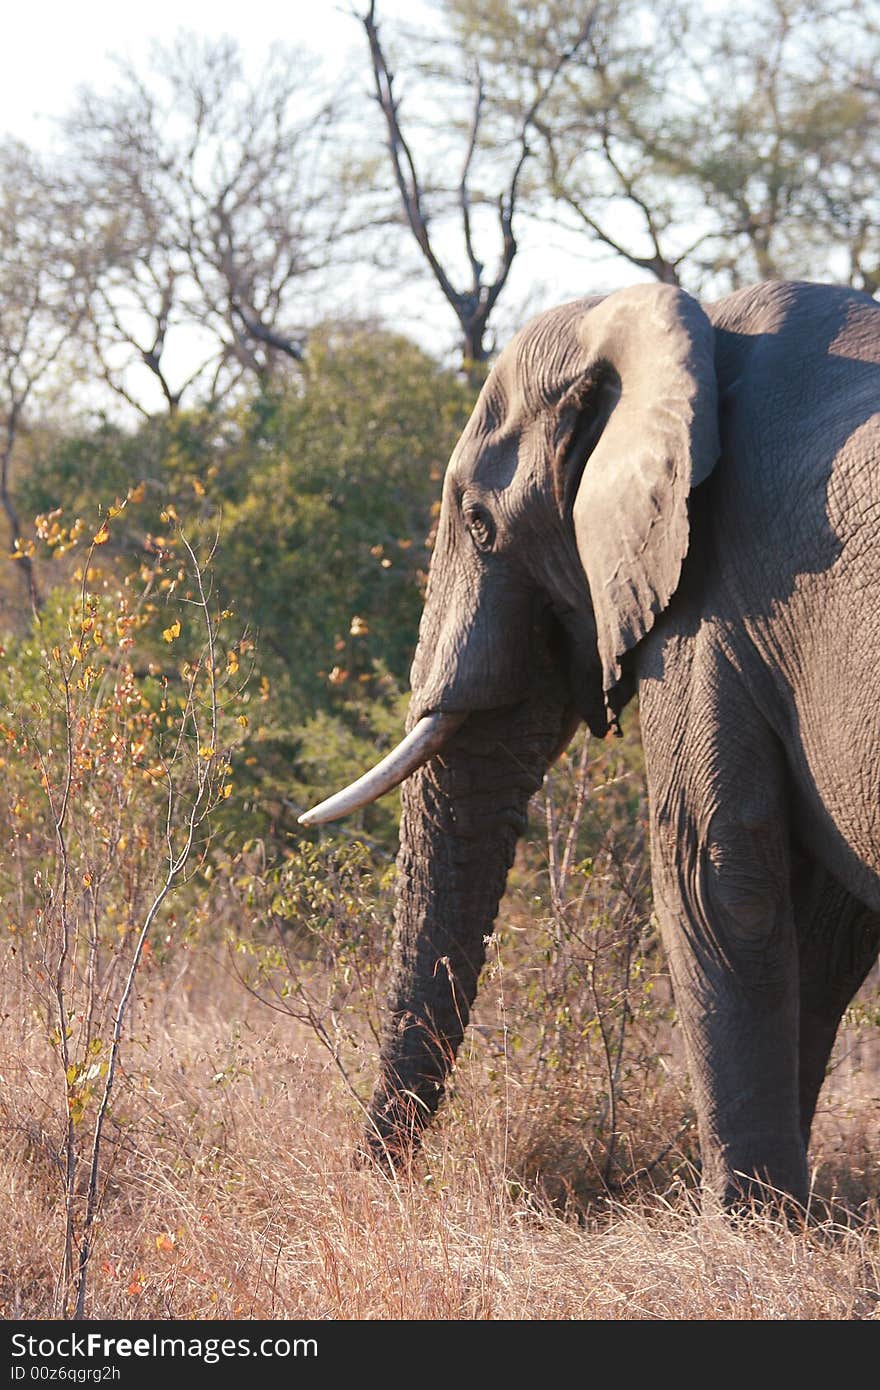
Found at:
[462, 815]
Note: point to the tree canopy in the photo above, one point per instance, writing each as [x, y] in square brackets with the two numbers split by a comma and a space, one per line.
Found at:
[204, 286]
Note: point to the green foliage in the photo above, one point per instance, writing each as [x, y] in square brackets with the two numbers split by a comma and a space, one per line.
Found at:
[326, 492]
[327, 507]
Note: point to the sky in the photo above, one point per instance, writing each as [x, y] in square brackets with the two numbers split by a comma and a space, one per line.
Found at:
[49, 48]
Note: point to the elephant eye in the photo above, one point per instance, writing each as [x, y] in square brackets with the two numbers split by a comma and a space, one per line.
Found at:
[481, 527]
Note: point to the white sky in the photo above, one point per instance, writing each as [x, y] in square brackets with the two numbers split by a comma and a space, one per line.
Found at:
[49, 47]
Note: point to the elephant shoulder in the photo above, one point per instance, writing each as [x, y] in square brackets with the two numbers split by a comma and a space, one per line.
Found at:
[798, 366]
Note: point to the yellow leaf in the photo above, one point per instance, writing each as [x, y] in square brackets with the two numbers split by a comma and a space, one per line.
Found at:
[102, 535]
[207, 753]
[243, 720]
[231, 663]
[198, 487]
[169, 633]
[136, 494]
[227, 790]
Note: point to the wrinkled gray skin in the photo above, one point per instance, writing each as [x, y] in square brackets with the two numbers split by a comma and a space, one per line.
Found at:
[654, 496]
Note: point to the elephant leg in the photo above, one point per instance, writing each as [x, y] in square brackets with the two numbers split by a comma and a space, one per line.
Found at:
[720, 858]
[838, 942]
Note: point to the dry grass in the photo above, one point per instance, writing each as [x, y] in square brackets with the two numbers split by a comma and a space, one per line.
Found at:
[231, 1194]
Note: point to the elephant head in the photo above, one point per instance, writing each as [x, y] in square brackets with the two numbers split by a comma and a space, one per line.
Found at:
[562, 534]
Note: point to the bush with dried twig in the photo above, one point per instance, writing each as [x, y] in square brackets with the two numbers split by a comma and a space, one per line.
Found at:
[114, 763]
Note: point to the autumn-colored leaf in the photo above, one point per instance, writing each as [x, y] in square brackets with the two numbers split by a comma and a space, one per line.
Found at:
[169, 633]
[102, 535]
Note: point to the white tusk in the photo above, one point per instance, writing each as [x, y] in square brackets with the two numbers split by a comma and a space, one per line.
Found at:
[429, 735]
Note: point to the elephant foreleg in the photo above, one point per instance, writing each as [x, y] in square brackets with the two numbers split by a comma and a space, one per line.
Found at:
[720, 857]
[838, 942]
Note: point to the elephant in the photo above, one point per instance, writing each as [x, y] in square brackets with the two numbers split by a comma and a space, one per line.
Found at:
[682, 502]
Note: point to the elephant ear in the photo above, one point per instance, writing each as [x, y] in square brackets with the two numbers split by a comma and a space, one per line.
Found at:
[660, 439]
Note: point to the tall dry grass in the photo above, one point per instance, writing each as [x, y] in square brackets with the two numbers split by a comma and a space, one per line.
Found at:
[230, 1190]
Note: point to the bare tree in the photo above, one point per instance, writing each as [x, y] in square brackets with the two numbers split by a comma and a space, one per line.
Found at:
[703, 146]
[42, 303]
[473, 295]
[592, 172]
[212, 200]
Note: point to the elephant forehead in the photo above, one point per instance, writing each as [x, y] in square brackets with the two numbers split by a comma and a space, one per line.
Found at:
[512, 426]
[509, 458]
[544, 358]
